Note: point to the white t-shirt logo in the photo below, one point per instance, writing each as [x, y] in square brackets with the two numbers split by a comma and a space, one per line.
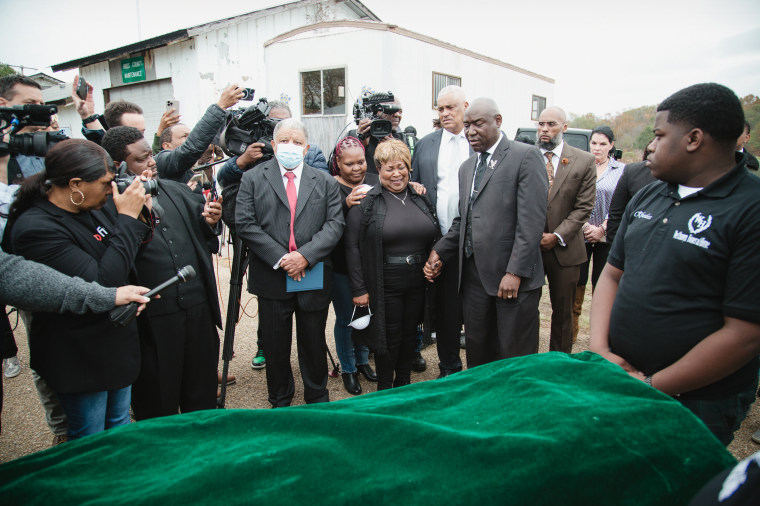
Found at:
[698, 223]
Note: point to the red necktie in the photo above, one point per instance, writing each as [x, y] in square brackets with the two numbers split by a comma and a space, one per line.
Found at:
[292, 198]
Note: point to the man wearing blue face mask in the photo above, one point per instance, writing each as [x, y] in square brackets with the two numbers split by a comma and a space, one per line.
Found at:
[289, 215]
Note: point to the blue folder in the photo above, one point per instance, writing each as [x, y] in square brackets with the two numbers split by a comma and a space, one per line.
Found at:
[313, 280]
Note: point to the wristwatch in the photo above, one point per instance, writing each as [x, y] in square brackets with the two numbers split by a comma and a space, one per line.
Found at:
[90, 119]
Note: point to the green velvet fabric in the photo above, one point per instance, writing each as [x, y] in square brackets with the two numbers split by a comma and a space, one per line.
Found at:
[542, 429]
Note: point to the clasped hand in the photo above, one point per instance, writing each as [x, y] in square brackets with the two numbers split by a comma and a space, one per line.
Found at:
[294, 264]
[433, 266]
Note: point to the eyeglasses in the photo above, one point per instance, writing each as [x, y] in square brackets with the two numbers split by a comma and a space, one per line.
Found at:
[550, 124]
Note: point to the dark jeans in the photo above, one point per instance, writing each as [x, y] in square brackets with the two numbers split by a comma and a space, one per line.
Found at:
[404, 303]
[723, 416]
[597, 257]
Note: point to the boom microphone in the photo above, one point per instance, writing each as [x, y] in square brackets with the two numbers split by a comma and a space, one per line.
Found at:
[123, 315]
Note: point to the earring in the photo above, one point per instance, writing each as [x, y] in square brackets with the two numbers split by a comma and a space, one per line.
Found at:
[71, 197]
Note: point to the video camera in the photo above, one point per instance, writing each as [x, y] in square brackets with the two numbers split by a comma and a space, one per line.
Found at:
[371, 105]
[248, 126]
[29, 144]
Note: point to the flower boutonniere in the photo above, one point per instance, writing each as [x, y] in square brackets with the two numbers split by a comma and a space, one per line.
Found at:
[492, 164]
[565, 161]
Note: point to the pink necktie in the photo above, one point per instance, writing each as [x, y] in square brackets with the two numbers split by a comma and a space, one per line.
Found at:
[292, 198]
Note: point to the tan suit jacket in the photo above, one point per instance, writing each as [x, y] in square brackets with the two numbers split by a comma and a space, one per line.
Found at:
[571, 200]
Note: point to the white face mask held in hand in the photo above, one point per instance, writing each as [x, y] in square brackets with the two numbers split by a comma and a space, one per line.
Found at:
[362, 322]
[289, 155]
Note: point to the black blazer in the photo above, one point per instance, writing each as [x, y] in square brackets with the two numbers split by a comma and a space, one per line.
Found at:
[81, 353]
[191, 205]
[635, 177]
[365, 257]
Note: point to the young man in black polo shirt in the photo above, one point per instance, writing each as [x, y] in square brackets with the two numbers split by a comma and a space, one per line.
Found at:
[677, 305]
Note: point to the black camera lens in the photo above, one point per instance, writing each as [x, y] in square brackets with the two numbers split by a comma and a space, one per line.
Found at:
[122, 183]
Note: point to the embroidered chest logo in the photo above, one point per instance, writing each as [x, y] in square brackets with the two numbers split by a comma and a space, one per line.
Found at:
[697, 224]
[643, 215]
[101, 233]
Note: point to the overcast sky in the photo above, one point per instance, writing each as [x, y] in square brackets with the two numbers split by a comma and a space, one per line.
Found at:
[604, 56]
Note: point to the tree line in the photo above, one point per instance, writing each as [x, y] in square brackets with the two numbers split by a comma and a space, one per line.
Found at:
[633, 128]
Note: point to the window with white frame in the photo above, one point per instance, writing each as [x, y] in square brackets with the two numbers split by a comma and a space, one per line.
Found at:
[323, 92]
[539, 104]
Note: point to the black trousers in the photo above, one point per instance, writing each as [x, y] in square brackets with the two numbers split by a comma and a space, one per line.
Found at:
[497, 328]
[597, 256]
[448, 318]
[180, 354]
[404, 303]
[276, 333]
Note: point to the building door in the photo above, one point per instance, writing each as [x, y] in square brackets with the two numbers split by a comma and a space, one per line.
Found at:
[151, 96]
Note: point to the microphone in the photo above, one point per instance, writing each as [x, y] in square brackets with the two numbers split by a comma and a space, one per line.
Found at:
[121, 316]
[409, 135]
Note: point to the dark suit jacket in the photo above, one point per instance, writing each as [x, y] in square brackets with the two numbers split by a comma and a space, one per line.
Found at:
[508, 217]
[635, 177]
[425, 164]
[81, 353]
[571, 201]
[263, 222]
[190, 205]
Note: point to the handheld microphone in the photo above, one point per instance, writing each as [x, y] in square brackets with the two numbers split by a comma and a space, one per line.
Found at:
[123, 315]
[409, 134]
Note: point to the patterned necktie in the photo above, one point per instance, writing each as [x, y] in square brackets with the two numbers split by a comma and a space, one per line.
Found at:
[292, 199]
[550, 168]
[479, 171]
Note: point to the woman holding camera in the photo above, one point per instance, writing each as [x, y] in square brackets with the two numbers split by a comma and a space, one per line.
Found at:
[350, 170]
[388, 237]
[608, 172]
[57, 220]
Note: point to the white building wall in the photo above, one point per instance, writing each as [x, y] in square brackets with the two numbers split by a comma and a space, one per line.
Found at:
[385, 61]
[200, 68]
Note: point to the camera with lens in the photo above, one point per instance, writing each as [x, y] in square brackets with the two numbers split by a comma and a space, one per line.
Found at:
[372, 105]
[29, 144]
[124, 178]
[248, 126]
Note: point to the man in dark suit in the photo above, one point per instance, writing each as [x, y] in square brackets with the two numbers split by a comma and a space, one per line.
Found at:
[572, 193]
[436, 162]
[502, 195]
[289, 214]
[179, 343]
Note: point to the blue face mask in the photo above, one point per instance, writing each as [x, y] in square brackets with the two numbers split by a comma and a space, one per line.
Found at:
[289, 155]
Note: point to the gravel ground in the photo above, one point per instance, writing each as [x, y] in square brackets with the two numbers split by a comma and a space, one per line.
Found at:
[23, 420]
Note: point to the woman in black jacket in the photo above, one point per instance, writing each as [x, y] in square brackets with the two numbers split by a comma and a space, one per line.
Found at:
[56, 220]
[388, 237]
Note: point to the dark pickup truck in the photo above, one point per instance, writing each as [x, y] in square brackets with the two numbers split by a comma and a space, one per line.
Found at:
[576, 137]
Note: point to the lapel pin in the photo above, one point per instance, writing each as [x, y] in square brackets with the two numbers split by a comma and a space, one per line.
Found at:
[492, 164]
[565, 161]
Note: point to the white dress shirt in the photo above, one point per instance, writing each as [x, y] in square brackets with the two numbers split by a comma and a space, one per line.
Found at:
[453, 151]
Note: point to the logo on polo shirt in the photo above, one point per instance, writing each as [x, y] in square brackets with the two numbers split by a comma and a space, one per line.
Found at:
[643, 215]
[697, 224]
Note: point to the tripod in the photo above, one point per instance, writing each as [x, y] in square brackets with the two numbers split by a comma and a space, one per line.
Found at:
[240, 259]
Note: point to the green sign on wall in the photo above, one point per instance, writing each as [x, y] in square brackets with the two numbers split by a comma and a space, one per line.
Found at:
[133, 70]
